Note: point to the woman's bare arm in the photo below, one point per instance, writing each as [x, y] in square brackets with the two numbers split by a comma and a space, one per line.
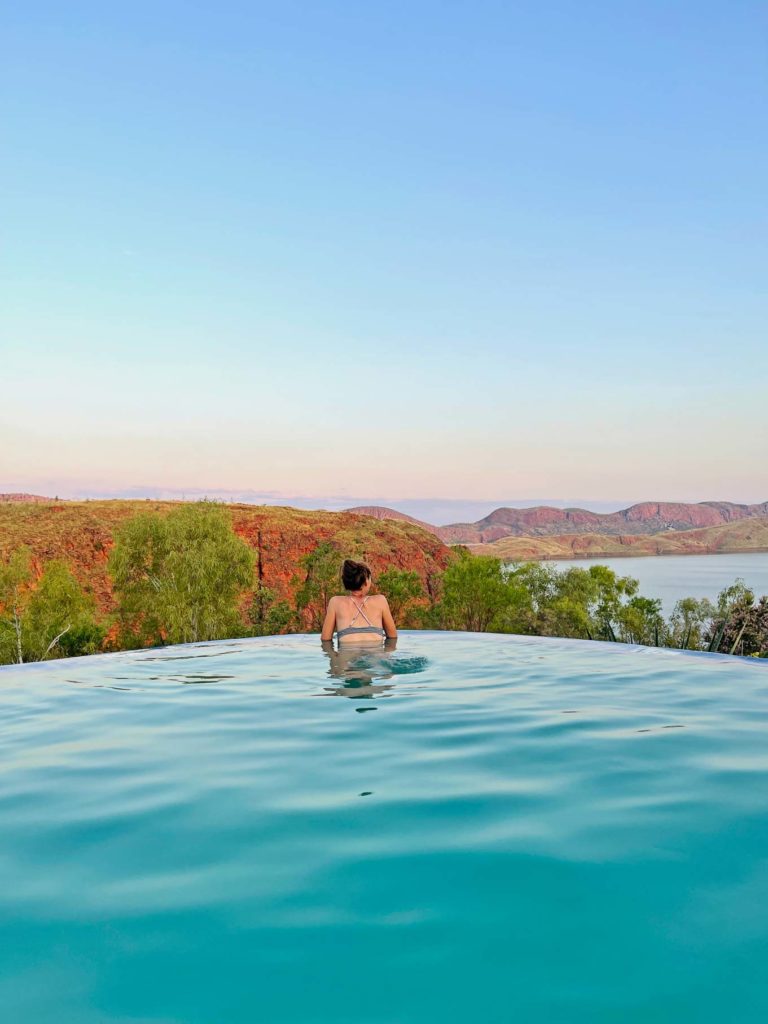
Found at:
[389, 623]
[330, 621]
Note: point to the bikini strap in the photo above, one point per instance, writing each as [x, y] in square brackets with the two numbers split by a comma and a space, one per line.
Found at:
[360, 611]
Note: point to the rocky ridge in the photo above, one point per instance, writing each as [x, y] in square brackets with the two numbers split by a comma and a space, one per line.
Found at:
[645, 518]
[744, 535]
[25, 499]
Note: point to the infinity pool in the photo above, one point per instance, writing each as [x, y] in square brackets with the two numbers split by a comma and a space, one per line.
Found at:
[465, 828]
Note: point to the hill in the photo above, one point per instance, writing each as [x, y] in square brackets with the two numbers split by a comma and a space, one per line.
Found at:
[745, 535]
[645, 518]
[25, 499]
[381, 512]
[81, 533]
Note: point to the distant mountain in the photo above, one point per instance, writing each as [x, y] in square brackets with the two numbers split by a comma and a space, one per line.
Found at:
[30, 499]
[749, 534]
[380, 512]
[645, 518]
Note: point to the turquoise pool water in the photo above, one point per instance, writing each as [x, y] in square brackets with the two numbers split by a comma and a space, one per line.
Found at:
[466, 828]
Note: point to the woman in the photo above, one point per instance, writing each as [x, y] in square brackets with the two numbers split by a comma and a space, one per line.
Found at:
[358, 618]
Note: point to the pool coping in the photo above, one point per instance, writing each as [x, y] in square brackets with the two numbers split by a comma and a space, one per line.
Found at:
[307, 638]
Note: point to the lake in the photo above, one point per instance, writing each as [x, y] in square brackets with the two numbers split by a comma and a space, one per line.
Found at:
[671, 577]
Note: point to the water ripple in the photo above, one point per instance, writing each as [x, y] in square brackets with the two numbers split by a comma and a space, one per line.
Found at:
[526, 829]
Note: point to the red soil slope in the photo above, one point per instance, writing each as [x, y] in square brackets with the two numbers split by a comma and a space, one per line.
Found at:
[81, 533]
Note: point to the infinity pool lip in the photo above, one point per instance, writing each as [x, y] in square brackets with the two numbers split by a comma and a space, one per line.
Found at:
[301, 639]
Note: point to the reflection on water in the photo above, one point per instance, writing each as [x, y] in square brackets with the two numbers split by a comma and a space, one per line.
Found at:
[360, 669]
[188, 680]
[186, 657]
[362, 672]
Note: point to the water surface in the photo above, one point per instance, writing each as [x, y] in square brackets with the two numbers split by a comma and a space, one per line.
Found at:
[466, 828]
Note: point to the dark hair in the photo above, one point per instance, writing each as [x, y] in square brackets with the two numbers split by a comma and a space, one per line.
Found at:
[354, 575]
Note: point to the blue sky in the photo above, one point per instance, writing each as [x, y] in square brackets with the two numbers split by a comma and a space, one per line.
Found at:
[405, 250]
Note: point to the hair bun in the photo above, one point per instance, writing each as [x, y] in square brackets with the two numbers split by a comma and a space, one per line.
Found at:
[354, 575]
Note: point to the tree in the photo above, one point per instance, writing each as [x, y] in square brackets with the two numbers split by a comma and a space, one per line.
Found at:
[15, 580]
[178, 578]
[268, 614]
[570, 610]
[641, 621]
[607, 607]
[733, 604]
[475, 593]
[591, 603]
[53, 619]
[322, 579]
[534, 585]
[685, 628]
[740, 626]
[401, 589]
[60, 620]
[754, 638]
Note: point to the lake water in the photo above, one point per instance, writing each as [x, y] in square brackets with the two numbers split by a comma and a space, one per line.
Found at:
[467, 828]
[671, 577]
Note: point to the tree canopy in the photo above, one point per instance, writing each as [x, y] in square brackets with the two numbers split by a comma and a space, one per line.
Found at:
[49, 618]
[178, 578]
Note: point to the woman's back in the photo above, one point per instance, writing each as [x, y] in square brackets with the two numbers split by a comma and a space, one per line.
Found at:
[357, 617]
[361, 621]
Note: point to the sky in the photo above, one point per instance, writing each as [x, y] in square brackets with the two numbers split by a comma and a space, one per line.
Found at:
[412, 252]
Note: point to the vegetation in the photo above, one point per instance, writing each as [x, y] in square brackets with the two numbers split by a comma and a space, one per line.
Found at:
[475, 594]
[195, 572]
[318, 583]
[739, 626]
[405, 593]
[179, 578]
[269, 615]
[53, 619]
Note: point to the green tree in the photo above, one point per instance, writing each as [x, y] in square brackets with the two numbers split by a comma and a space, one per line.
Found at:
[320, 580]
[534, 585]
[53, 619]
[641, 622]
[179, 578]
[270, 615]
[60, 619]
[571, 608]
[687, 622]
[476, 595]
[587, 603]
[610, 590]
[733, 604]
[15, 581]
[740, 626]
[751, 636]
[401, 588]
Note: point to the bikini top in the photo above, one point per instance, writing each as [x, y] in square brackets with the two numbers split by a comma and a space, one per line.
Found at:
[352, 628]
